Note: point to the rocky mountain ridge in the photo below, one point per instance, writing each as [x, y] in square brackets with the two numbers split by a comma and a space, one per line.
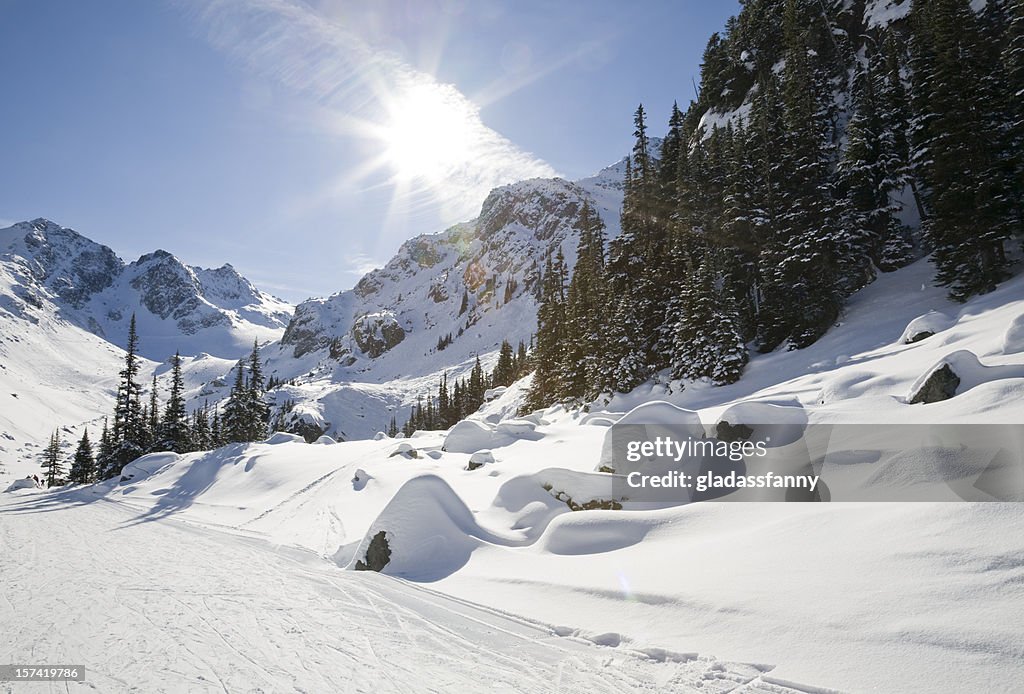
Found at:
[178, 306]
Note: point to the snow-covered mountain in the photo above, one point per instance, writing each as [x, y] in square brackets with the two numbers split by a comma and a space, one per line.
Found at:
[352, 359]
[355, 358]
[47, 268]
[65, 305]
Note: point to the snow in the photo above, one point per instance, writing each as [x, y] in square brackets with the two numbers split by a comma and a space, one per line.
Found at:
[194, 609]
[972, 373]
[468, 436]
[233, 569]
[848, 596]
[931, 322]
[884, 12]
[23, 483]
[1013, 339]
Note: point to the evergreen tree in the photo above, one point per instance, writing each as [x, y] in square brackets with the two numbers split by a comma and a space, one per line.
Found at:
[83, 466]
[504, 371]
[216, 432]
[801, 289]
[175, 429]
[53, 469]
[258, 410]
[585, 315]
[548, 360]
[153, 418]
[958, 154]
[200, 438]
[1013, 143]
[235, 422]
[128, 430]
[105, 454]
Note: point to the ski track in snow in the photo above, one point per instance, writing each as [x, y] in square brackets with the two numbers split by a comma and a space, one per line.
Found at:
[165, 606]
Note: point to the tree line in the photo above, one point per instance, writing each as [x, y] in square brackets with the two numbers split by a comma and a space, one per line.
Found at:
[750, 232]
[139, 426]
[465, 396]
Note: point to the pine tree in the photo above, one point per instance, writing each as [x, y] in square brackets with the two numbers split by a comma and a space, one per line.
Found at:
[585, 315]
[235, 423]
[958, 151]
[216, 432]
[1013, 147]
[200, 439]
[153, 418]
[258, 411]
[51, 461]
[105, 454]
[504, 370]
[801, 291]
[83, 467]
[175, 429]
[128, 429]
[548, 360]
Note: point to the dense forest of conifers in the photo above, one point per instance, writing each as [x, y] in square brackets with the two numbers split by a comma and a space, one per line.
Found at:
[848, 150]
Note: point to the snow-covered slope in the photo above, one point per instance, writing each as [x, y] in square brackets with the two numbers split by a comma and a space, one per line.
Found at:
[845, 596]
[49, 268]
[65, 305]
[356, 358]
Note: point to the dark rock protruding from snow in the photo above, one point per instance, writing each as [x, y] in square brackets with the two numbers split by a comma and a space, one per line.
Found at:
[378, 554]
[940, 385]
[733, 432]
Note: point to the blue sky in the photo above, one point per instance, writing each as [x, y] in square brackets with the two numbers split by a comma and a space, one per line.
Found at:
[304, 141]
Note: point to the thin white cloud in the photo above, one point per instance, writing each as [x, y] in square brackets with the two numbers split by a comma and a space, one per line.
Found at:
[366, 91]
[360, 264]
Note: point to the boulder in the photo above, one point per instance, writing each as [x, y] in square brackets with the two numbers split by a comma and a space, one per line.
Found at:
[378, 554]
[479, 459]
[941, 384]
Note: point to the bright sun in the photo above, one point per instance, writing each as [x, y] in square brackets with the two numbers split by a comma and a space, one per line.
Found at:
[427, 132]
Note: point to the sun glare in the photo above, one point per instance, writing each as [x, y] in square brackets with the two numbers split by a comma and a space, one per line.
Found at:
[427, 133]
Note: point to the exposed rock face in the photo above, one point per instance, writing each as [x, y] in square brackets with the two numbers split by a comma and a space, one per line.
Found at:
[71, 266]
[378, 554]
[940, 385]
[476, 281]
[376, 333]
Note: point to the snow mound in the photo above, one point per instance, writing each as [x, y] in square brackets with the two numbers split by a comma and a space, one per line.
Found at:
[325, 440]
[147, 466]
[360, 478]
[518, 429]
[660, 418]
[971, 372]
[852, 384]
[23, 483]
[494, 393]
[404, 449]
[280, 437]
[470, 436]
[555, 489]
[776, 425]
[926, 326]
[430, 531]
[380, 436]
[1013, 340]
[593, 533]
